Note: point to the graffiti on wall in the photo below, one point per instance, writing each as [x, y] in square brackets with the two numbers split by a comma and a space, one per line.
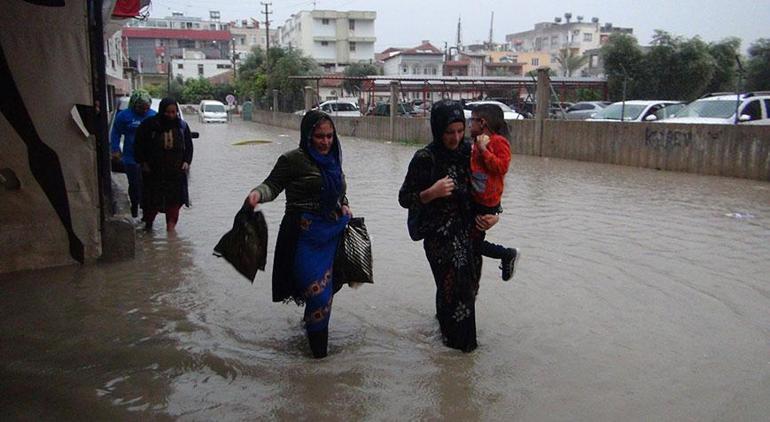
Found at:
[667, 139]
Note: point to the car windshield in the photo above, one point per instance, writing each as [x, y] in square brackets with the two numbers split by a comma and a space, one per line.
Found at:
[214, 108]
[344, 107]
[708, 108]
[613, 111]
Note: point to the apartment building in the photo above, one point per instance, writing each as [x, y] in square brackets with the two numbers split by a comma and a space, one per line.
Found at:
[248, 34]
[550, 38]
[334, 39]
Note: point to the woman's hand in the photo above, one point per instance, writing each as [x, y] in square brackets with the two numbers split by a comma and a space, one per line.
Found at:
[482, 141]
[485, 222]
[253, 198]
[346, 211]
[441, 189]
[185, 166]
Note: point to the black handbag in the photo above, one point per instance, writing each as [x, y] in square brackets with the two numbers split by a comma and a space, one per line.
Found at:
[245, 245]
[353, 261]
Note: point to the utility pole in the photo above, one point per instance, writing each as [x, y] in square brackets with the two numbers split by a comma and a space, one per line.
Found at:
[235, 76]
[267, 14]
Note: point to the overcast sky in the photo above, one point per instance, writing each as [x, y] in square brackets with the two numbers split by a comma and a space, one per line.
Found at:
[404, 23]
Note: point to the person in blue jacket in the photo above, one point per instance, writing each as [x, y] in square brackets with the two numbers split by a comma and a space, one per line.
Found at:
[126, 123]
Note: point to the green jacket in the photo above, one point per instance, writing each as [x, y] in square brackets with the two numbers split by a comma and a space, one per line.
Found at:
[297, 173]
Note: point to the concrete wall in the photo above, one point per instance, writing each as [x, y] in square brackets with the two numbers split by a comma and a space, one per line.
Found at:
[720, 150]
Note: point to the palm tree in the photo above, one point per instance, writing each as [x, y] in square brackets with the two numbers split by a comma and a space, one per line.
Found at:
[569, 61]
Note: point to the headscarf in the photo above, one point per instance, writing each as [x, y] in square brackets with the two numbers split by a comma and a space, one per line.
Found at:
[329, 164]
[166, 123]
[139, 96]
[442, 114]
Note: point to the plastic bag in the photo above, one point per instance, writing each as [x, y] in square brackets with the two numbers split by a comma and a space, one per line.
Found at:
[353, 261]
[245, 245]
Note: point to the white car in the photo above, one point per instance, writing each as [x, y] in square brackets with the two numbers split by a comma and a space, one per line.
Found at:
[637, 111]
[212, 111]
[719, 109]
[584, 109]
[340, 108]
[508, 113]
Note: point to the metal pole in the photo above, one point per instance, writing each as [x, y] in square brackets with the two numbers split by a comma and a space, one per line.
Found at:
[623, 104]
[393, 105]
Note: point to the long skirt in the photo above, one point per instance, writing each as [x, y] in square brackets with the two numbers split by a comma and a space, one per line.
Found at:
[313, 261]
[456, 267]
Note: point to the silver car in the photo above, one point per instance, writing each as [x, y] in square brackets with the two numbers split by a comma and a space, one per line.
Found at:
[584, 109]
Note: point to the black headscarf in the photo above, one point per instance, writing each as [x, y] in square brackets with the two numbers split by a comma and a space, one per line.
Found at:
[166, 123]
[330, 164]
[442, 114]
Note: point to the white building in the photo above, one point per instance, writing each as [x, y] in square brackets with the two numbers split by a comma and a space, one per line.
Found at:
[552, 37]
[423, 60]
[333, 39]
[195, 65]
[247, 35]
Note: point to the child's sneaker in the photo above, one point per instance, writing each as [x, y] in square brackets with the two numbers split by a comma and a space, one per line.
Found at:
[509, 263]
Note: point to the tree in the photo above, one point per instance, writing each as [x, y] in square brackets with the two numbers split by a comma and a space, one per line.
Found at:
[286, 63]
[623, 61]
[196, 90]
[758, 66]
[724, 54]
[357, 70]
[569, 61]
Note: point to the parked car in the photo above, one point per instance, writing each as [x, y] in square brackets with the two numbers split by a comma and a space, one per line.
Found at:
[508, 113]
[558, 110]
[584, 109]
[637, 111]
[383, 109]
[212, 111]
[340, 108]
[753, 109]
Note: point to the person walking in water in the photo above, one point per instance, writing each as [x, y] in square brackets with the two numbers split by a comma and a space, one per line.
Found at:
[125, 125]
[316, 214]
[490, 158]
[437, 189]
[165, 151]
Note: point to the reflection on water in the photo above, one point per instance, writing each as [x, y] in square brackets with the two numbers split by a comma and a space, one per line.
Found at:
[640, 295]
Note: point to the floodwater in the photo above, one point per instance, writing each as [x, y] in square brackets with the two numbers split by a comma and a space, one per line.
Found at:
[640, 295]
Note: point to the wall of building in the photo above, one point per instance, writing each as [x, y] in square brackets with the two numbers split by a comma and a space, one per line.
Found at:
[190, 68]
[719, 150]
[52, 217]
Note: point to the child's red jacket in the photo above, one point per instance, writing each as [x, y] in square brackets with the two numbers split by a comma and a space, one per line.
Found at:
[488, 170]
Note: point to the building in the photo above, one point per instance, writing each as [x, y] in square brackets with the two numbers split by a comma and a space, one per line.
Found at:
[118, 80]
[247, 34]
[531, 60]
[552, 37]
[194, 65]
[423, 60]
[333, 39]
[154, 43]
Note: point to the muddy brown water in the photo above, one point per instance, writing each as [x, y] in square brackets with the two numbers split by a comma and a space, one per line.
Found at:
[640, 295]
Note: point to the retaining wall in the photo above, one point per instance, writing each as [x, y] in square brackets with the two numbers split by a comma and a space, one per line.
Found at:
[720, 150]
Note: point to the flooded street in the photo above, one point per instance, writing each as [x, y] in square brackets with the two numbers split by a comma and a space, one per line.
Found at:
[640, 295]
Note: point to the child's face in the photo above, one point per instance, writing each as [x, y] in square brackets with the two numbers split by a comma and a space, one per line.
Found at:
[477, 125]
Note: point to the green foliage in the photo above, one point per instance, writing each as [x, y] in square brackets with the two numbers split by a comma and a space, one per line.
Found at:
[588, 94]
[257, 83]
[357, 69]
[758, 66]
[674, 68]
[196, 90]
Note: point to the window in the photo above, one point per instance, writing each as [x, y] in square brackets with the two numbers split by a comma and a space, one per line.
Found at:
[538, 44]
[188, 25]
[324, 43]
[352, 46]
[186, 43]
[406, 69]
[180, 66]
[767, 108]
[243, 40]
[324, 21]
[213, 26]
[554, 41]
[200, 70]
[535, 61]
[352, 24]
[753, 109]
[224, 66]
[435, 70]
[588, 37]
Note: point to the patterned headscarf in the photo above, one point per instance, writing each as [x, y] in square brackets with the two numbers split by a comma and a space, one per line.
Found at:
[139, 96]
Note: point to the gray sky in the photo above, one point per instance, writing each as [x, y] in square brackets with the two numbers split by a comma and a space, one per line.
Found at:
[404, 23]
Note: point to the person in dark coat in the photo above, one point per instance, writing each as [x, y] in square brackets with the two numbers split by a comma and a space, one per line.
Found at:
[316, 214]
[437, 187]
[164, 150]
